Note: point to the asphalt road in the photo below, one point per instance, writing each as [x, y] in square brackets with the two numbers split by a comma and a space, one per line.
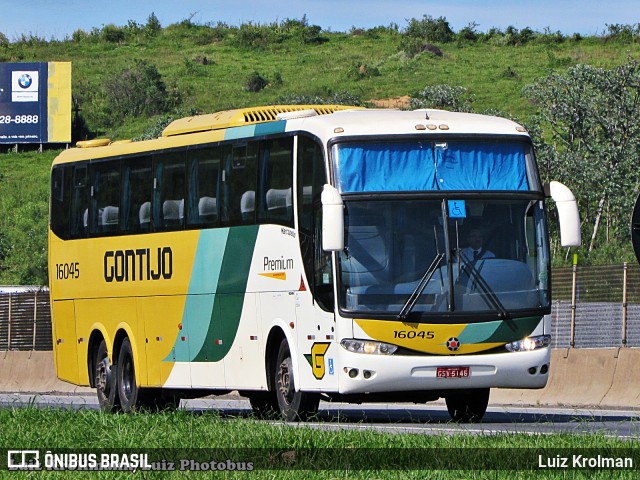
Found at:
[429, 419]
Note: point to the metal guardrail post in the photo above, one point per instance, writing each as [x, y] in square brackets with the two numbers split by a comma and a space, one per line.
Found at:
[573, 301]
[35, 320]
[9, 325]
[624, 304]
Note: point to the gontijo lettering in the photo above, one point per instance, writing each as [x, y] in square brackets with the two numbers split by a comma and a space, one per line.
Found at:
[138, 265]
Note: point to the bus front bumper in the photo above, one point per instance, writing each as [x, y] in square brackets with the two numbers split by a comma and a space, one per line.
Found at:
[363, 373]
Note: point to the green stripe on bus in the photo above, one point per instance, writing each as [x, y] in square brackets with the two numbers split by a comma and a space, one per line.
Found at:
[499, 331]
[229, 298]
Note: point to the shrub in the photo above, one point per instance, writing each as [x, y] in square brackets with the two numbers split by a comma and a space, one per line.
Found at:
[623, 33]
[430, 29]
[444, 97]
[360, 71]
[152, 27]
[112, 34]
[255, 83]
[137, 90]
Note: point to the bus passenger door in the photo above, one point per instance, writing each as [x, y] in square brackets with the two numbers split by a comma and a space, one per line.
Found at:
[316, 344]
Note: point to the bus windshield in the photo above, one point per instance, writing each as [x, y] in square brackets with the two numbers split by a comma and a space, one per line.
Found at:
[495, 259]
[429, 253]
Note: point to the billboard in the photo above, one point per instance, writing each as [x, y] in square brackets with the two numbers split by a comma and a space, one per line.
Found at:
[35, 102]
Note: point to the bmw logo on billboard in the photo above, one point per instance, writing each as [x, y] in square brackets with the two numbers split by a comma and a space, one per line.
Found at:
[25, 80]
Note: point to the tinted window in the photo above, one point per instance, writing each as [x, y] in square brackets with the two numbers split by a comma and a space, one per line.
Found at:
[79, 202]
[203, 174]
[60, 200]
[169, 191]
[239, 185]
[276, 182]
[105, 198]
[137, 192]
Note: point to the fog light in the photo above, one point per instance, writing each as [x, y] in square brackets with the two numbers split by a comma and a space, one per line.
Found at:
[533, 370]
[544, 369]
[366, 374]
[353, 373]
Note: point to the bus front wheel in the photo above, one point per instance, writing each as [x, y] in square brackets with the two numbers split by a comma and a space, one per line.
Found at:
[468, 406]
[294, 405]
[105, 381]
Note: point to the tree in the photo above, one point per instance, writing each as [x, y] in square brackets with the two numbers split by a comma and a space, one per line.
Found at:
[590, 115]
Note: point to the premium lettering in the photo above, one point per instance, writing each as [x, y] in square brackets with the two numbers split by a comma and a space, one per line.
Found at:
[138, 265]
[278, 264]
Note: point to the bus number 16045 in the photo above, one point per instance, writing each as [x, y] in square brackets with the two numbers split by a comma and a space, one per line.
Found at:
[413, 334]
[65, 271]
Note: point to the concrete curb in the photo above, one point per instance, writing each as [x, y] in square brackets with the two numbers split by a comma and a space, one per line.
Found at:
[578, 377]
[32, 372]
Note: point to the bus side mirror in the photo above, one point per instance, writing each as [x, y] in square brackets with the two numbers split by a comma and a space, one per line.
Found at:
[332, 220]
[567, 213]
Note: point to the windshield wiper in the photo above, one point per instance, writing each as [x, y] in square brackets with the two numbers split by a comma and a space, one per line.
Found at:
[489, 296]
[413, 298]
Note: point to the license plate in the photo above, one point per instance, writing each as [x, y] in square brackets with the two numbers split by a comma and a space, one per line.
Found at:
[452, 372]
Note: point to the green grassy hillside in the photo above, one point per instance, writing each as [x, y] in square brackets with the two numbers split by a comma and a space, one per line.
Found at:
[206, 68]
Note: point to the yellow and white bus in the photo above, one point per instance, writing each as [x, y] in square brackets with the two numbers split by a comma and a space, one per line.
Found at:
[299, 253]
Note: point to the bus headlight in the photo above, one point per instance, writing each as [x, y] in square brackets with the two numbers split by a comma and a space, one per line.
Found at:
[528, 344]
[368, 346]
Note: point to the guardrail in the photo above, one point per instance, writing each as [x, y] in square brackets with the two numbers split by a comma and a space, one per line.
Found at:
[592, 307]
[25, 320]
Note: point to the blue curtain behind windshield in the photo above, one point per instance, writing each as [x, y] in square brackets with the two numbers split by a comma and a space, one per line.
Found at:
[386, 167]
[421, 167]
[481, 166]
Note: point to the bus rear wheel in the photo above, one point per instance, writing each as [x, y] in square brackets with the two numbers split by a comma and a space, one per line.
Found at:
[468, 406]
[128, 390]
[105, 381]
[294, 405]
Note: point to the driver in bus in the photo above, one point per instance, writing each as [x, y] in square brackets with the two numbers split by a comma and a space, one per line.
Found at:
[475, 249]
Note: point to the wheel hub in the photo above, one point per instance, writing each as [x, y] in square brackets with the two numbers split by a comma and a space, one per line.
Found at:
[284, 382]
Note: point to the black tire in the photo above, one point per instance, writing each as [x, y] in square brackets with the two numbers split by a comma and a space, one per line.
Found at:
[264, 404]
[294, 406]
[128, 390]
[468, 406]
[105, 380]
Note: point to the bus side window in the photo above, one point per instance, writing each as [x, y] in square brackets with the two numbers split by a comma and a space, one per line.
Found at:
[105, 198]
[203, 171]
[239, 185]
[137, 190]
[169, 191]
[61, 200]
[79, 202]
[276, 182]
[310, 181]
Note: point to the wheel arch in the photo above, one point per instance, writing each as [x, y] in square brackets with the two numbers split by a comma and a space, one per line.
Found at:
[277, 334]
[92, 351]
